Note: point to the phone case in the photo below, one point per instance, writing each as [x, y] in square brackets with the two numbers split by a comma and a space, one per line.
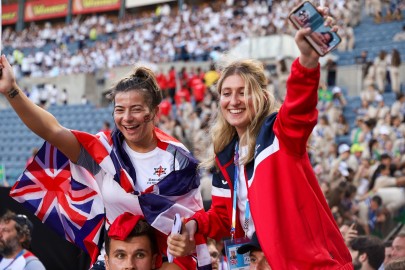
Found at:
[322, 39]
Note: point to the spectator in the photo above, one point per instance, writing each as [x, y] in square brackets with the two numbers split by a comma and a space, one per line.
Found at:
[398, 264]
[211, 76]
[381, 67]
[15, 239]
[257, 259]
[394, 71]
[217, 259]
[64, 97]
[398, 247]
[130, 244]
[400, 36]
[367, 252]
[388, 254]
[282, 76]
[106, 129]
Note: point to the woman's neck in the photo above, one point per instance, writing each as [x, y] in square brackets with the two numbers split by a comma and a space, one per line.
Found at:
[145, 146]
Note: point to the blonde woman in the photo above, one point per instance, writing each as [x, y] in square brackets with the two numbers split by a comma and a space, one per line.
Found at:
[272, 189]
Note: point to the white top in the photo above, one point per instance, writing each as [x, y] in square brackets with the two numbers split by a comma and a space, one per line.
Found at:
[242, 193]
[150, 167]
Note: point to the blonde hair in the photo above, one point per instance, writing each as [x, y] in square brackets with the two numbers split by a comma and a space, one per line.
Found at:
[264, 103]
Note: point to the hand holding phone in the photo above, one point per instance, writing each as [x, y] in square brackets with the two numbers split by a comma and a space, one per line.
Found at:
[176, 228]
[322, 38]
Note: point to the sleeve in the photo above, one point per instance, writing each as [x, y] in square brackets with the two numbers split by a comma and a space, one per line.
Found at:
[34, 264]
[298, 114]
[86, 161]
[215, 222]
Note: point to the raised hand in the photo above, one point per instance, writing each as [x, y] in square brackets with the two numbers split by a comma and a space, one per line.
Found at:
[8, 86]
[309, 58]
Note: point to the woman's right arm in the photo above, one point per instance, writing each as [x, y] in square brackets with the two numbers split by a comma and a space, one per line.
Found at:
[35, 118]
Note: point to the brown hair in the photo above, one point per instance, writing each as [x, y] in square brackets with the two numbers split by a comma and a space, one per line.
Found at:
[142, 79]
[23, 226]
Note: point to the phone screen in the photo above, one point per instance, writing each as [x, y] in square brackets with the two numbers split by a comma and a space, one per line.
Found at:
[322, 39]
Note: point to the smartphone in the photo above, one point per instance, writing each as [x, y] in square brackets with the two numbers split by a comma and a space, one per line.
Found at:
[322, 39]
[176, 228]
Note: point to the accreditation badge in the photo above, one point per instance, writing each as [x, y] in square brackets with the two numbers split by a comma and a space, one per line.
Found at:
[235, 260]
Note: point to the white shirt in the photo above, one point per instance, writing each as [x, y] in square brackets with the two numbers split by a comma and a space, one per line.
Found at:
[242, 193]
[150, 167]
[9, 264]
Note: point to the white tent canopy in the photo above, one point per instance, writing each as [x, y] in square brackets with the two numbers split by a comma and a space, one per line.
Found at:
[271, 48]
[267, 48]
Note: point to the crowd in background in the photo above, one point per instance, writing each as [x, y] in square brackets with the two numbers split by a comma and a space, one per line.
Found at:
[197, 33]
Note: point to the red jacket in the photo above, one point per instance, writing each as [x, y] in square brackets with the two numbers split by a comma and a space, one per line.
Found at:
[292, 219]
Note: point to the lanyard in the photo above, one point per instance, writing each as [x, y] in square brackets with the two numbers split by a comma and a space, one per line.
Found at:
[15, 258]
[235, 191]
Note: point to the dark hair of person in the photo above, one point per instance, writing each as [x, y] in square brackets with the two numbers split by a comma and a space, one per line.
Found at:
[142, 79]
[375, 175]
[23, 227]
[142, 228]
[372, 246]
[395, 58]
[377, 199]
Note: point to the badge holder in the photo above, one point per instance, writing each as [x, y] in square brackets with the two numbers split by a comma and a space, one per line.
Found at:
[235, 260]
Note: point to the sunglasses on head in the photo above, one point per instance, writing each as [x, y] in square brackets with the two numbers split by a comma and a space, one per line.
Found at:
[23, 220]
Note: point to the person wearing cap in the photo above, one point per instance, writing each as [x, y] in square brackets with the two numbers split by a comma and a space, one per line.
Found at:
[338, 102]
[355, 158]
[15, 239]
[339, 166]
[368, 252]
[130, 243]
[257, 259]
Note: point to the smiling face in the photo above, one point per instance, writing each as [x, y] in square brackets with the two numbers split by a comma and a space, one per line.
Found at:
[235, 104]
[133, 253]
[134, 119]
[326, 38]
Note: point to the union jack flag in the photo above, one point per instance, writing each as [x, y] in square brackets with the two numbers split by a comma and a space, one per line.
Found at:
[48, 188]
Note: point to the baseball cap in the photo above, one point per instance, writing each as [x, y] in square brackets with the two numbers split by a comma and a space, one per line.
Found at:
[384, 130]
[343, 148]
[356, 148]
[253, 245]
[336, 89]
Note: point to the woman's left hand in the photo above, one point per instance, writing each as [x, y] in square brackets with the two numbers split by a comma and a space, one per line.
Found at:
[183, 244]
